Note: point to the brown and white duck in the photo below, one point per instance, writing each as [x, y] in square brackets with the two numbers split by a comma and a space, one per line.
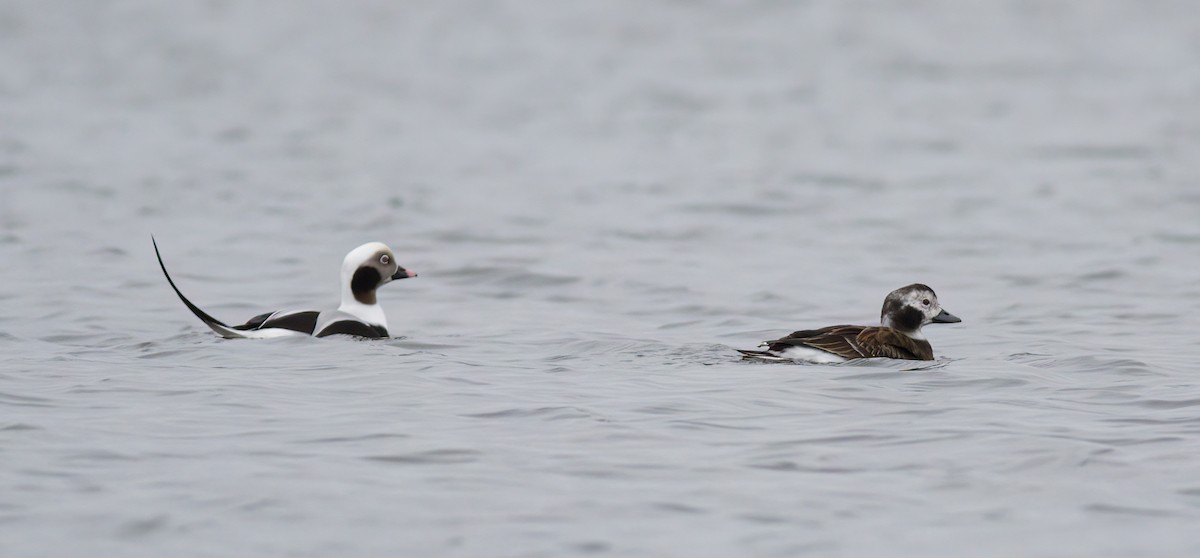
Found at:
[905, 311]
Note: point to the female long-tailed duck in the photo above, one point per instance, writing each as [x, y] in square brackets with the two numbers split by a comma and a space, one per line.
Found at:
[365, 269]
[899, 336]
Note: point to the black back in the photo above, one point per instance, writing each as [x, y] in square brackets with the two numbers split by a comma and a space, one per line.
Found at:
[304, 322]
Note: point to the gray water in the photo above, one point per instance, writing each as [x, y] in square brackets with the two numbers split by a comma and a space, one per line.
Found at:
[603, 200]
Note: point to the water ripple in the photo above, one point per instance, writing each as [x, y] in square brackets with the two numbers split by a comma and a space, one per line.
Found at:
[430, 457]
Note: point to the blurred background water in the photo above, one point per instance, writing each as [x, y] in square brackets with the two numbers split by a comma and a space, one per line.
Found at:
[603, 199]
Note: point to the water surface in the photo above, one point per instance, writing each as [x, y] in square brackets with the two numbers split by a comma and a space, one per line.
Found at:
[602, 201]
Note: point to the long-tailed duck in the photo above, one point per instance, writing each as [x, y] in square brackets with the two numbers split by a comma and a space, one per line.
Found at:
[365, 269]
[905, 310]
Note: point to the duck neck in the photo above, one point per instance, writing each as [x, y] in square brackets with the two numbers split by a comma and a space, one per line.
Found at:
[905, 328]
[361, 304]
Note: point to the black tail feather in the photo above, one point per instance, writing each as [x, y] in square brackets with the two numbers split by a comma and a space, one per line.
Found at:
[195, 310]
[755, 354]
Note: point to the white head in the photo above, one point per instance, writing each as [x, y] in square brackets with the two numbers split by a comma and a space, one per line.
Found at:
[909, 308]
[367, 268]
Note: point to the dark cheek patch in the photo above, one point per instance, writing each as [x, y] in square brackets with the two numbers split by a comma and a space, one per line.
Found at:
[908, 319]
[363, 285]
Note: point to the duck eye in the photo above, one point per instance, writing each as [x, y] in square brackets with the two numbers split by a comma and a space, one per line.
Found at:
[925, 302]
[384, 259]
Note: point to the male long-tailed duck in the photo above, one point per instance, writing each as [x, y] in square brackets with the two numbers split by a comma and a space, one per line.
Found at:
[365, 269]
[899, 336]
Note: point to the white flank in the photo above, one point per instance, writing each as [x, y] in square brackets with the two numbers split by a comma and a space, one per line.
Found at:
[809, 354]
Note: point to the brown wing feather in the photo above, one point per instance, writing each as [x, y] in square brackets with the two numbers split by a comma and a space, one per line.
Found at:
[839, 340]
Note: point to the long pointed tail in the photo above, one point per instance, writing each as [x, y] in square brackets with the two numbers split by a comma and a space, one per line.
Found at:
[208, 320]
